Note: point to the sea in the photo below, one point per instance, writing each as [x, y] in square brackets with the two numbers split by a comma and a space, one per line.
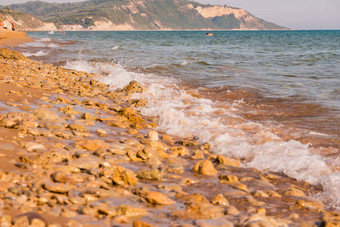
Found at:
[269, 98]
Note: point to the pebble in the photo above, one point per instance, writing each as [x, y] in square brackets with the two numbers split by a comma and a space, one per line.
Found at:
[157, 198]
[56, 187]
[152, 135]
[227, 161]
[205, 167]
[108, 166]
[47, 115]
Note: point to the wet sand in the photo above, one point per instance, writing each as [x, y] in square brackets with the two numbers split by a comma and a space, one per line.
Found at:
[74, 152]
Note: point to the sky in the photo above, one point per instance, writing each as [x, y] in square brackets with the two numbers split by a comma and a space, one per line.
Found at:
[294, 14]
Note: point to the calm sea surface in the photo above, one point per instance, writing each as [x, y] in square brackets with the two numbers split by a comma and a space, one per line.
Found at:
[271, 98]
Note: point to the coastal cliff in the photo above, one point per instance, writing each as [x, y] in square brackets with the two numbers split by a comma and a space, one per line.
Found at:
[144, 15]
[24, 21]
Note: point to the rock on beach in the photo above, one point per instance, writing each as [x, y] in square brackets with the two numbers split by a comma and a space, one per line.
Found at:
[80, 154]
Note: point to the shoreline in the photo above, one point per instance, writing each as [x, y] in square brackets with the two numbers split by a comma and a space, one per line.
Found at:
[13, 38]
[98, 158]
[165, 30]
[186, 30]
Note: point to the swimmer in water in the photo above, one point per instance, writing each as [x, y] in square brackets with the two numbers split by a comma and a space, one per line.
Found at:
[209, 34]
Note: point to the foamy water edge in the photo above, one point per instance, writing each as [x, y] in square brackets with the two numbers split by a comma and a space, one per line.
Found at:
[184, 115]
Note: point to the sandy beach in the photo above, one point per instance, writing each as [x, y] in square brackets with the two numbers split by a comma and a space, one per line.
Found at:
[9, 38]
[73, 152]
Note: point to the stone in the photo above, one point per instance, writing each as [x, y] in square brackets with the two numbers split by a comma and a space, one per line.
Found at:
[139, 223]
[188, 143]
[200, 211]
[218, 222]
[68, 110]
[20, 221]
[133, 87]
[62, 134]
[231, 210]
[331, 219]
[310, 204]
[221, 159]
[119, 121]
[120, 175]
[138, 102]
[29, 219]
[5, 220]
[179, 150]
[78, 127]
[197, 154]
[34, 146]
[131, 115]
[267, 193]
[62, 99]
[131, 212]
[85, 163]
[240, 186]
[205, 167]
[228, 179]
[152, 135]
[158, 146]
[10, 54]
[147, 153]
[251, 200]
[62, 177]
[157, 198]
[176, 168]
[56, 187]
[10, 123]
[92, 145]
[195, 198]
[88, 116]
[294, 192]
[38, 223]
[259, 220]
[150, 174]
[101, 132]
[220, 200]
[206, 146]
[167, 138]
[47, 115]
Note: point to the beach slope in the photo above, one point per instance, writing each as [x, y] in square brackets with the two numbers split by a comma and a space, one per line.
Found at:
[10, 38]
[75, 152]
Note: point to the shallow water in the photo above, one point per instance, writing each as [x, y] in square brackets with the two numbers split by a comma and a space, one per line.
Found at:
[270, 98]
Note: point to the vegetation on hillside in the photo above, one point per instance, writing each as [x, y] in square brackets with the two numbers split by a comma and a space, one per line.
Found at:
[21, 20]
[140, 14]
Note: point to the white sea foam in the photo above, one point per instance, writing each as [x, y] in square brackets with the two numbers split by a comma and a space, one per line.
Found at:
[53, 45]
[39, 53]
[184, 62]
[184, 115]
[45, 40]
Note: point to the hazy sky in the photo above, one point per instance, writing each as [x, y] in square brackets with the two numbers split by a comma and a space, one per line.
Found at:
[295, 14]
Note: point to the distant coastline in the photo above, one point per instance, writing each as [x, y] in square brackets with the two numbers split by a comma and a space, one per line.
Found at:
[129, 15]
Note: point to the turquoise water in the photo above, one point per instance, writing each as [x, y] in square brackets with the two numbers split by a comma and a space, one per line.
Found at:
[285, 64]
[253, 95]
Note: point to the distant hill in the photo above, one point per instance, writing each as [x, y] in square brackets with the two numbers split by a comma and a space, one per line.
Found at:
[24, 21]
[144, 15]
